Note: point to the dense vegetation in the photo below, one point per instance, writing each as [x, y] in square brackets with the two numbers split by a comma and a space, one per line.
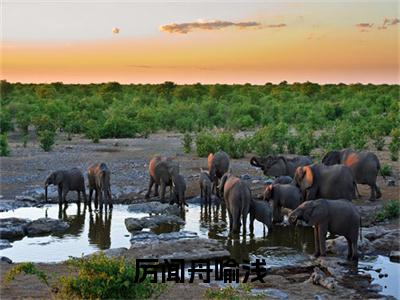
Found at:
[293, 118]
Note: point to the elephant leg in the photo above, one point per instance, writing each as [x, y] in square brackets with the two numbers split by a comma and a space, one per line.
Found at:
[149, 189]
[322, 231]
[355, 249]
[235, 219]
[163, 187]
[156, 190]
[201, 193]
[90, 194]
[378, 191]
[349, 248]
[64, 196]
[372, 197]
[252, 222]
[316, 241]
[60, 197]
[96, 198]
[100, 192]
[244, 221]
[230, 220]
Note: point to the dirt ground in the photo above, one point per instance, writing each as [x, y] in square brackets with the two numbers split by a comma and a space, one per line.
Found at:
[27, 168]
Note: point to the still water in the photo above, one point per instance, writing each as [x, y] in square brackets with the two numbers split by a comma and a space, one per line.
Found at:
[92, 231]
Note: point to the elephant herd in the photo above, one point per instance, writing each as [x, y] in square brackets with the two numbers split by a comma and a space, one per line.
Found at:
[318, 193]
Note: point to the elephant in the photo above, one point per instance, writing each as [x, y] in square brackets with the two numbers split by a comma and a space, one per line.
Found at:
[283, 180]
[99, 181]
[179, 189]
[336, 216]
[161, 170]
[280, 165]
[218, 165]
[330, 182]
[260, 211]
[67, 180]
[205, 186]
[282, 195]
[237, 197]
[364, 165]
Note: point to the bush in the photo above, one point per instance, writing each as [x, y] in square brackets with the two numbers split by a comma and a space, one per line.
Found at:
[100, 277]
[92, 131]
[5, 121]
[205, 144]
[390, 210]
[4, 148]
[26, 268]
[306, 143]
[394, 145]
[187, 140]
[262, 142]
[378, 140]
[386, 170]
[46, 139]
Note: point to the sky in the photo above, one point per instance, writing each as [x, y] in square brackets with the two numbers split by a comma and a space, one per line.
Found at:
[194, 41]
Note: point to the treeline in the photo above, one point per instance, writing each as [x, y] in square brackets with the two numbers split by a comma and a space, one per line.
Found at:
[336, 115]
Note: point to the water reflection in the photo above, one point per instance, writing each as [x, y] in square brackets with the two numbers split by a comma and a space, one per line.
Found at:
[100, 229]
[76, 221]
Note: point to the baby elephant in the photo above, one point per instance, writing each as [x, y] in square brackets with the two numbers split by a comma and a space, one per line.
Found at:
[99, 181]
[67, 180]
[237, 197]
[260, 211]
[179, 189]
[205, 186]
[282, 195]
[336, 216]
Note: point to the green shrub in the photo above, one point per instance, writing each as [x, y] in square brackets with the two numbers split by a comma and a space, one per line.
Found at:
[4, 148]
[5, 121]
[205, 144]
[187, 140]
[390, 210]
[92, 131]
[46, 139]
[262, 142]
[100, 277]
[25, 138]
[26, 268]
[386, 170]
[394, 145]
[306, 143]
[378, 140]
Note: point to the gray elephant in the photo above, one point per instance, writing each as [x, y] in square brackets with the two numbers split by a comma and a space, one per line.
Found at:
[260, 211]
[179, 189]
[99, 182]
[330, 182]
[237, 197]
[282, 195]
[280, 165]
[67, 180]
[336, 216]
[205, 186]
[364, 165]
[161, 170]
[283, 180]
[218, 165]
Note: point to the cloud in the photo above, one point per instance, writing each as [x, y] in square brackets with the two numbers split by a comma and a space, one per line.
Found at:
[184, 28]
[115, 30]
[276, 25]
[364, 25]
[389, 22]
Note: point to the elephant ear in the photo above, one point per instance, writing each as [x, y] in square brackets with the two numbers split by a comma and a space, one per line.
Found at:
[209, 161]
[331, 158]
[268, 193]
[224, 178]
[58, 177]
[285, 162]
[308, 177]
[298, 176]
[316, 214]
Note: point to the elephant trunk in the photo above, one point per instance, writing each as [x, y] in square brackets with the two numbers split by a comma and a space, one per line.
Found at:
[45, 191]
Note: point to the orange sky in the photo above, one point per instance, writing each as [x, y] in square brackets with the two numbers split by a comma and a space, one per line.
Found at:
[270, 43]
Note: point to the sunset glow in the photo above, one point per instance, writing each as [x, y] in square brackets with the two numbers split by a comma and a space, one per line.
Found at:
[227, 42]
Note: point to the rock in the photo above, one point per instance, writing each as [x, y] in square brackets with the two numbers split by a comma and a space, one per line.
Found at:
[339, 246]
[245, 177]
[115, 252]
[255, 181]
[4, 244]
[45, 226]
[373, 233]
[25, 198]
[391, 182]
[152, 238]
[375, 288]
[187, 249]
[5, 259]
[6, 205]
[11, 228]
[320, 278]
[388, 242]
[394, 256]
[154, 207]
[133, 224]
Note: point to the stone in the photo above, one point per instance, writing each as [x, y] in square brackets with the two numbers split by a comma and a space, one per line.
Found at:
[154, 207]
[4, 244]
[46, 226]
[394, 256]
[388, 242]
[270, 293]
[152, 238]
[114, 252]
[320, 278]
[5, 259]
[339, 246]
[11, 228]
[134, 224]
[391, 182]
[6, 205]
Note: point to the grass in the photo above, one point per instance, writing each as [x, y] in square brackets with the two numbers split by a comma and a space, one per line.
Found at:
[390, 210]
[26, 268]
[243, 291]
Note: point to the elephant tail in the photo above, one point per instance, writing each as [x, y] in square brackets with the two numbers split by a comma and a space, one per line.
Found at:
[360, 230]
